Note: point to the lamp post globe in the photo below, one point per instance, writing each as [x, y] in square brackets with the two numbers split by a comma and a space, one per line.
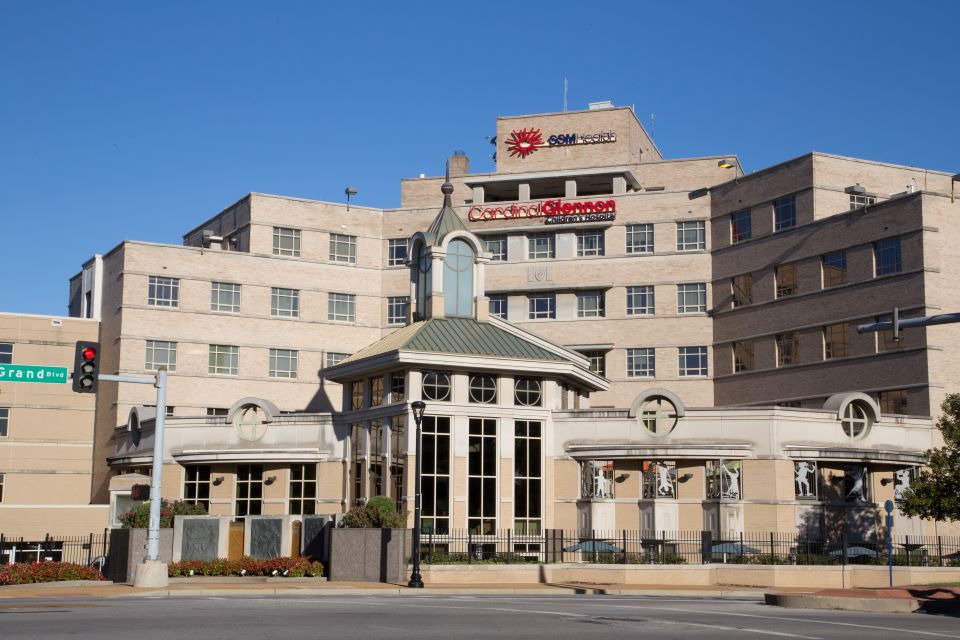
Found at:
[417, 407]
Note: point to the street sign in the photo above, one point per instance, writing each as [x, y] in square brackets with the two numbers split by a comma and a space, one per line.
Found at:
[33, 373]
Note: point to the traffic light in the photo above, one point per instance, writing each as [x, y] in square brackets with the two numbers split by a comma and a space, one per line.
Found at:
[86, 367]
[140, 492]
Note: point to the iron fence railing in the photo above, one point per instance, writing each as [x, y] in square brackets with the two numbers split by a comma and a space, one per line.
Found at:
[683, 547]
[91, 549]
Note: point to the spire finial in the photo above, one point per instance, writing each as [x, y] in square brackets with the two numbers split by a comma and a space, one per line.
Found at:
[447, 188]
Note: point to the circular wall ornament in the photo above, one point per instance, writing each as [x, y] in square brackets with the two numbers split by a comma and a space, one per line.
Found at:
[658, 416]
[248, 422]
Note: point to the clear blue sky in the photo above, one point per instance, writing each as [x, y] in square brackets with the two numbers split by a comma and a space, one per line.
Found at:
[137, 120]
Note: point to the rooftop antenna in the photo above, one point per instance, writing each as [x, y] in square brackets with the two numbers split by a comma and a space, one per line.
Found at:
[565, 87]
[653, 117]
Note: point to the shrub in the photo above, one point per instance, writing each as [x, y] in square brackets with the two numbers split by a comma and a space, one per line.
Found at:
[139, 518]
[34, 572]
[295, 567]
[376, 513]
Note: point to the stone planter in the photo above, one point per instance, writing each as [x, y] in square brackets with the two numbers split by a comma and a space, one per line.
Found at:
[369, 555]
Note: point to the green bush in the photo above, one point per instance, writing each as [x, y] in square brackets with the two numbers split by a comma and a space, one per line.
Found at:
[34, 572]
[377, 513]
[463, 558]
[140, 517]
[295, 567]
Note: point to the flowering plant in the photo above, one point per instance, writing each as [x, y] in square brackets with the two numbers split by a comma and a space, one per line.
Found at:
[34, 572]
[295, 567]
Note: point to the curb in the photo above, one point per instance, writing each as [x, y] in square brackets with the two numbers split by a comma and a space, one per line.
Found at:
[840, 603]
[64, 584]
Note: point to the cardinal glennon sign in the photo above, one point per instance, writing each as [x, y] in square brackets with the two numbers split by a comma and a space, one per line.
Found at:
[554, 211]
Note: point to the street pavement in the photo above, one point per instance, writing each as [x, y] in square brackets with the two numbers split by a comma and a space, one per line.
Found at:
[552, 617]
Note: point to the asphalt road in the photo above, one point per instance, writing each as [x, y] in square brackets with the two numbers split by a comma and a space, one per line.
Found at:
[449, 617]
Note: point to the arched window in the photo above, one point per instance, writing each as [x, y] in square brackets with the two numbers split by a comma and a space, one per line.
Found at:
[856, 420]
[423, 281]
[527, 392]
[458, 279]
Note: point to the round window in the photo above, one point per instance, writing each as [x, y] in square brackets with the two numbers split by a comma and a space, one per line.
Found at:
[658, 416]
[527, 392]
[483, 389]
[436, 385]
[856, 421]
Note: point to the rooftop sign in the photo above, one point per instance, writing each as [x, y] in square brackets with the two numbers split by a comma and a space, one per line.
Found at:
[523, 142]
[554, 211]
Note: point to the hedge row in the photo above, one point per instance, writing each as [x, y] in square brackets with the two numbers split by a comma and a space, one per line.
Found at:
[34, 572]
[296, 567]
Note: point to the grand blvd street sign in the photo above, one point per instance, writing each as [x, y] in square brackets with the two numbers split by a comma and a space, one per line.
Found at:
[32, 373]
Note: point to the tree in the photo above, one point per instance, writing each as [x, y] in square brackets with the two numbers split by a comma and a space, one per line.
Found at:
[377, 512]
[936, 493]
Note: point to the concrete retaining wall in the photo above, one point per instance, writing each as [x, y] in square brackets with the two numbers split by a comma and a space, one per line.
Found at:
[128, 548]
[785, 576]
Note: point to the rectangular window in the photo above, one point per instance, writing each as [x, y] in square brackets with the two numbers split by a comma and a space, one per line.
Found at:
[692, 298]
[541, 245]
[224, 360]
[161, 353]
[784, 213]
[376, 391]
[334, 358]
[723, 480]
[741, 290]
[398, 386]
[590, 243]
[497, 246]
[835, 340]
[357, 488]
[640, 238]
[342, 307]
[163, 292]
[225, 297]
[1, 486]
[376, 457]
[658, 479]
[343, 248]
[886, 256]
[435, 475]
[498, 307]
[788, 348]
[541, 305]
[742, 356]
[527, 477]
[893, 402]
[482, 460]
[861, 200]
[6, 353]
[4, 421]
[196, 485]
[356, 395]
[640, 300]
[284, 303]
[786, 277]
[218, 411]
[590, 304]
[885, 339]
[249, 490]
[303, 489]
[397, 310]
[691, 236]
[286, 241]
[834, 268]
[741, 226]
[397, 249]
[693, 361]
[283, 363]
[397, 461]
[641, 363]
[598, 361]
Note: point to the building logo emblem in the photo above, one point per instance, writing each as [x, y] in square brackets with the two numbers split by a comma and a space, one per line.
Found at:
[524, 142]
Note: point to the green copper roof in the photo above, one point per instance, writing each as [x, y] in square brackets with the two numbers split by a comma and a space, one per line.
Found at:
[461, 336]
[445, 222]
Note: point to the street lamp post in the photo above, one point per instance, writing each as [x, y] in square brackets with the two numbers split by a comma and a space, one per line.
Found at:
[416, 582]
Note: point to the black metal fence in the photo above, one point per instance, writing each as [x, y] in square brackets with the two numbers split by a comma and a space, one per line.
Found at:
[683, 547]
[90, 549]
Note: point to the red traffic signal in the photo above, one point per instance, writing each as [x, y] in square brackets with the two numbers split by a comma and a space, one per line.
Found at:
[86, 367]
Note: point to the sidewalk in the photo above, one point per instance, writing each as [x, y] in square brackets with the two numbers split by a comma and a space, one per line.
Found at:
[312, 587]
[902, 599]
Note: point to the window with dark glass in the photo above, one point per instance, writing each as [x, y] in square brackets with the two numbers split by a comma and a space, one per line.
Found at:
[590, 304]
[249, 490]
[6, 353]
[303, 489]
[498, 307]
[784, 213]
[541, 306]
[483, 389]
[788, 348]
[397, 461]
[741, 289]
[743, 356]
[834, 268]
[590, 243]
[527, 392]
[435, 475]
[527, 477]
[836, 340]
[376, 458]
[886, 256]
[741, 226]
[497, 246]
[196, 485]
[396, 252]
[786, 277]
[691, 235]
[482, 461]
[398, 386]
[436, 385]
[598, 361]
[357, 486]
